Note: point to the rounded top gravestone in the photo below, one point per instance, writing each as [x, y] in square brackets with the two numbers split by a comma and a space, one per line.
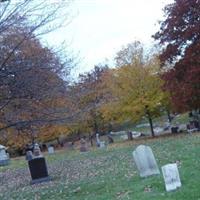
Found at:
[145, 161]
[4, 157]
[37, 151]
[50, 149]
[83, 147]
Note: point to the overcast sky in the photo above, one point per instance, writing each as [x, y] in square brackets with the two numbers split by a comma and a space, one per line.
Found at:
[101, 27]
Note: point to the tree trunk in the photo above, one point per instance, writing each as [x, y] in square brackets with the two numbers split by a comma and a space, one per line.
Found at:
[150, 122]
[169, 117]
[151, 125]
[96, 128]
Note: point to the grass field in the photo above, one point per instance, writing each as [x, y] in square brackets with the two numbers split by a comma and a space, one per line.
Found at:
[108, 174]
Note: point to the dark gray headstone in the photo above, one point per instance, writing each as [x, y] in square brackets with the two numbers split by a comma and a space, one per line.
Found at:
[38, 170]
[129, 134]
[174, 129]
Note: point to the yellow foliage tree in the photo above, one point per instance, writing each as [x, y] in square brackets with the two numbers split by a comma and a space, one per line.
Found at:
[137, 90]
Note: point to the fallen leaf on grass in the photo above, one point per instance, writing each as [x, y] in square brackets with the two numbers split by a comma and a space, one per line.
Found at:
[78, 189]
[148, 188]
[123, 195]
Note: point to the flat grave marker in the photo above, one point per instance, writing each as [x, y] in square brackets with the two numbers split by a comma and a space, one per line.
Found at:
[171, 177]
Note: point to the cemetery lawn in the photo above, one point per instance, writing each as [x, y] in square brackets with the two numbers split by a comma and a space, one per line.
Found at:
[108, 174]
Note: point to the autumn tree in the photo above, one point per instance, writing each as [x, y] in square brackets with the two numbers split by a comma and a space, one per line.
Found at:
[89, 96]
[32, 90]
[136, 87]
[129, 54]
[180, 58]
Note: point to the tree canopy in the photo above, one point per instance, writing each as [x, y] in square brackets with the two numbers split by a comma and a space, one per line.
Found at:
[33, 77]
[180, 38]
[136, 87]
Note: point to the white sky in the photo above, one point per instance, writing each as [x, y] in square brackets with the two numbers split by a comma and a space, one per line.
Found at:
[101, 27]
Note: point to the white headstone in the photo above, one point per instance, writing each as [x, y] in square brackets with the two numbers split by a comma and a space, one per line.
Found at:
[136, 134]
[97, 138]
[145, 161]
[4, 158]
[50, 150]
[3, 154]
[171, 177]
[102, 144]
[36, 151]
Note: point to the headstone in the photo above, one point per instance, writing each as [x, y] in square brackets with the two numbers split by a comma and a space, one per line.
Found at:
[136, 134]
[83, 147]
[102, 144]
[167, 126]
[171, 177]
[38, 170]
[145, 161]
[36, 151]
[4, 158]
[29, 155]
[174, 129]
[50, 150]
[38, 167]
[97, 140]
[69, 145]
[129, 134]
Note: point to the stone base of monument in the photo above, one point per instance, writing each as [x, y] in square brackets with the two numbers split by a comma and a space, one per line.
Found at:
[4, 162]
[38, 170]
[40, 180]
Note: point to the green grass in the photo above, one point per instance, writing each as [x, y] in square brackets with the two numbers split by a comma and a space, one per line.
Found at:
[108, 174]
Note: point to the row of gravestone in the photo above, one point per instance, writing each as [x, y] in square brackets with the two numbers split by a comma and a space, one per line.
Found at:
[147, 166]
[143, 157]
[36, 162]
[99, 143]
